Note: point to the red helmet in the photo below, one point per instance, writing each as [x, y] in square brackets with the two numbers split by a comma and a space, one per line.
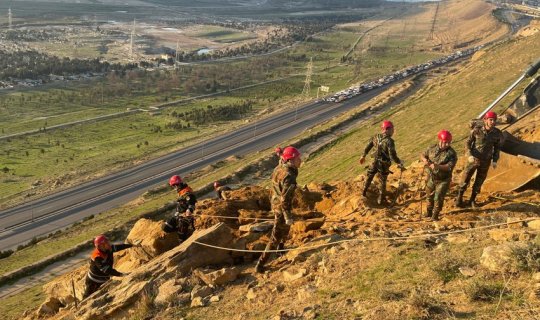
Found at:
[445, 136]
[290, 153]
[175, 180]
[278, 150]
[386, 125]
[216, 184]
[101, 240]
[490, 115]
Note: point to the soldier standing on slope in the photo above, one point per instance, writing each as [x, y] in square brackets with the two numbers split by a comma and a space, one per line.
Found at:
[440, 159]
[483, 149]
[283, 187]
[384, 154]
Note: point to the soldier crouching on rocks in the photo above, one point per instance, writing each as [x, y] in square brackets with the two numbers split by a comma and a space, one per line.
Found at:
[182, 222]
[283, 187]
[483, 146]
[440, 159]
[384, 154]
[101, 263]
[220, 190]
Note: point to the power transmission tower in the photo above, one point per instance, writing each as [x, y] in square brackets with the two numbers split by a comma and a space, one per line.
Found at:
[307, 82]
[131, 41]
[10, 19]
[431, 33]
[176, 53]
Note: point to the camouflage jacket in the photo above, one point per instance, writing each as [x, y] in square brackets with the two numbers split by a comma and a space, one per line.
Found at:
[438, 156]
[283, 186]
[385, 149]
[484, 145]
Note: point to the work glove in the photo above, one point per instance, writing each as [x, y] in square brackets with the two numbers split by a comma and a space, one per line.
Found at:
[362, 160]
[494, 165]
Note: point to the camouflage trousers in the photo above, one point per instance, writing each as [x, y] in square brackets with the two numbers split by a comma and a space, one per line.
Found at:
[481, 168]
[383, 169]
[436, 191]
[280, 231]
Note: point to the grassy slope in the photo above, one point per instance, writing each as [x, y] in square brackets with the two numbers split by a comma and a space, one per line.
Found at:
[449, 103]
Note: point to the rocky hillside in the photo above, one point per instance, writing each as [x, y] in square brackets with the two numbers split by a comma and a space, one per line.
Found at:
[348, 259]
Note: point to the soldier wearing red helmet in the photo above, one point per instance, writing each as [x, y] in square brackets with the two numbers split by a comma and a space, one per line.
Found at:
[182, 221]
[440, 160]
[283, 187]
[384, 154]
[483, 146]
[220, 190]
[101, 264]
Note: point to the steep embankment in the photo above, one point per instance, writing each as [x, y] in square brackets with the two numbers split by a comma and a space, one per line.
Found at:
[447, 102]
[353, 259]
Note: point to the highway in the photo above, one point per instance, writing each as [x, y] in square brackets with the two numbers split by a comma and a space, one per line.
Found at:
[20, 224]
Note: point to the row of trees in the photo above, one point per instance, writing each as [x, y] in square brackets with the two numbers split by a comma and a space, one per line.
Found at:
[200, 116]
[163, 84]
[35, 65]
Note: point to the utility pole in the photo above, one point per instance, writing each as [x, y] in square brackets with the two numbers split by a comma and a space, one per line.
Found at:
[131, 41]
[10, 19]
[307, 82]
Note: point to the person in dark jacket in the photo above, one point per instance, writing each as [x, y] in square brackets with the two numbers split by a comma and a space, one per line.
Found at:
[101, 264]
[483, 146]
[384, 154]
[182, 221]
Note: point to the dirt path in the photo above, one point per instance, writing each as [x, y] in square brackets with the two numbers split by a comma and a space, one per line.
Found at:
[44, 276]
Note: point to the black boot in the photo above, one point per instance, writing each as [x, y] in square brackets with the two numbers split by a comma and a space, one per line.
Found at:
[459, 199]
[259, 267]
[429, 212]
[435, 215]
[472, 201]
[381, 200]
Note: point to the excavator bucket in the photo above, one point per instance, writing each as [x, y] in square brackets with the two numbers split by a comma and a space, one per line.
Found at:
[519, 164]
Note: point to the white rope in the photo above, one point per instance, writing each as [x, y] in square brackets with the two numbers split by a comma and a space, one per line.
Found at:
[329, 220]
[369, 239]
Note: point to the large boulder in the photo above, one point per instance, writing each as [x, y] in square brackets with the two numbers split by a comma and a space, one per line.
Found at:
[501, 258]
[154, 241]
[217, 277]
[115, 297]
[250, 199]
[61, 288]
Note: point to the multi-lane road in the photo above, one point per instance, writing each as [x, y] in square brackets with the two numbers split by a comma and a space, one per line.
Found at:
[20, 224]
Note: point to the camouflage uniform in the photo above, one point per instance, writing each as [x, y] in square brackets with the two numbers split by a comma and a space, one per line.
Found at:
[183, 224]
[384, 153]
[438, 181]
[484, 146]
[283, 187]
